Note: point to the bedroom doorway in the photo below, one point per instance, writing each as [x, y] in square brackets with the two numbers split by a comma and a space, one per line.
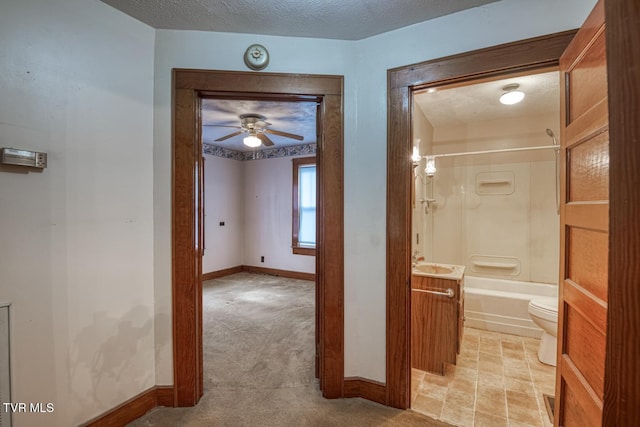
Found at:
[190, 86]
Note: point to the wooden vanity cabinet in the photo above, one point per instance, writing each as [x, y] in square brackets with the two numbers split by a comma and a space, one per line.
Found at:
[436, 322]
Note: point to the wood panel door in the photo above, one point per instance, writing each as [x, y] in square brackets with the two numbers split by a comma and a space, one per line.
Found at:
[584, 217]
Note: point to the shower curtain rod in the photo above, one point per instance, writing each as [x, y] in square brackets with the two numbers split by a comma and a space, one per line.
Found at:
[504, 150]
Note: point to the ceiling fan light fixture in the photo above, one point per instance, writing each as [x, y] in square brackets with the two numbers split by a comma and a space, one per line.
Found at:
[511, 94]
[252, 141]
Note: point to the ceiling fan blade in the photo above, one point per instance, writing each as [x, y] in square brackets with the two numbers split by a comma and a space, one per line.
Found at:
[265, 140]
[231, 135]
[223, 126]
[285, 134]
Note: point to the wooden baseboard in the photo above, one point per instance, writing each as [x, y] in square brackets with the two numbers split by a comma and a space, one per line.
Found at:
[221, 273]
[366, 389]
[165, 396]
[280, 273]
[135, 407]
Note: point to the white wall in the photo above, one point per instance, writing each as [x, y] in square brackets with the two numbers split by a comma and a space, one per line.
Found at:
[77, 238]
[254, 200]
[223, 202]
[268, 216]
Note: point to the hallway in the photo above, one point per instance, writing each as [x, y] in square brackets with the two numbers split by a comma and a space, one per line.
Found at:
[258, 363]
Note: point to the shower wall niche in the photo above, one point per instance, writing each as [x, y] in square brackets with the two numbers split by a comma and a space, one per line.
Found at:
[494, 213]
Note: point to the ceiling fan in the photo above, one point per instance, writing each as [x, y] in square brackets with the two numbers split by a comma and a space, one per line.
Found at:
[257, 127]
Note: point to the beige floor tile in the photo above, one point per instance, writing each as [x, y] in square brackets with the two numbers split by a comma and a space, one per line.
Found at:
[490, 367]
[511, 338]
[430, 378]
[497, 407]
[428, 406]
[516, 364]
[497, 381]
[469, 337]
[513, 423]
[472, 332]
[487, 420]
[549, 389]
[520, 386]
[491, 392]
[517, 373]
[512, 346]
[433, 391]
[490, 378]
[490, 347]
[463, 385]
[537, 364]
[466, 374]
[469, 354]
[460, 399]
[494, 357]
[467, 362]
[532, 357]
[459, 416]
[545, 380]
[417, 374]
[513, 354]
[523, 408]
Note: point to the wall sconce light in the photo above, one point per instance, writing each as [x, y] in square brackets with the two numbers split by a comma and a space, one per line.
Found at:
[415, 157]
[252, 141]
[511, 94]
[430, 170]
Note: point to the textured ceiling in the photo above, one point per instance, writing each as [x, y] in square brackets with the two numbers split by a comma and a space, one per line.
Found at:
[331, 19]
[293, 117]
[443, 107]
[480, 102]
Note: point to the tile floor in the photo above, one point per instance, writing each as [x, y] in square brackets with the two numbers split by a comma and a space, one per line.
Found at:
[497, 381]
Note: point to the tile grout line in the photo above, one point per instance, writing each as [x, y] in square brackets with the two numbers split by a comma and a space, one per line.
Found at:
[535, 388]
[475, 388]
[504, 386]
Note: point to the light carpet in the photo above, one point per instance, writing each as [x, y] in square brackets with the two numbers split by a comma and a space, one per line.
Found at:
[259, 339]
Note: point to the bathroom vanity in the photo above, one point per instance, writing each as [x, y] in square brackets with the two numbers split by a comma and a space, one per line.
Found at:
[437, 315]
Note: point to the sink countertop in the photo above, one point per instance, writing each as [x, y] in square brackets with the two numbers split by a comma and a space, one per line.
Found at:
[456, 274]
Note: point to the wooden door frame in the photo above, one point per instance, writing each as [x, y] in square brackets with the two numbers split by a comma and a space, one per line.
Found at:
[621, 390]
[521, 56]
[188, 88]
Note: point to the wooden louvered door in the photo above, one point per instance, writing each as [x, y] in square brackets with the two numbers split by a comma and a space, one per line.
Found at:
[582, 314]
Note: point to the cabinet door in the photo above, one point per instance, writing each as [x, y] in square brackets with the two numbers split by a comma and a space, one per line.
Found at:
[434, 325]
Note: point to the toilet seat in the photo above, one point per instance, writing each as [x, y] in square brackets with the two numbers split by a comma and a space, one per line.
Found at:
[545, 308]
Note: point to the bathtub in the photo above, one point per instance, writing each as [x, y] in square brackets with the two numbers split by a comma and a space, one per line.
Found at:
[502, 305]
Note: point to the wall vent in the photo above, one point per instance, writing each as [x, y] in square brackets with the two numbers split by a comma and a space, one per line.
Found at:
[5, 381]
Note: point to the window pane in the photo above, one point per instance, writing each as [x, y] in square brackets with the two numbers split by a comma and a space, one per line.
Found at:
[307, 185]
[307, 234]
[307, 208]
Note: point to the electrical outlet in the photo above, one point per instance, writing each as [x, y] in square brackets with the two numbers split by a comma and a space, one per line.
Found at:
[261, 259]
[221, 223]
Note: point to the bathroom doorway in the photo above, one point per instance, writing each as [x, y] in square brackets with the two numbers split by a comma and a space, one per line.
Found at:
[488, 64]
[485, 204]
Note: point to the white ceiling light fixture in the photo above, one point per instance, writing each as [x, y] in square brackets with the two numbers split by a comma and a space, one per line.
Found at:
[511, 94]
[252, 141]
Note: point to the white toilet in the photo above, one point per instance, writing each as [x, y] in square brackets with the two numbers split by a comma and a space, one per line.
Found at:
[544, 313]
